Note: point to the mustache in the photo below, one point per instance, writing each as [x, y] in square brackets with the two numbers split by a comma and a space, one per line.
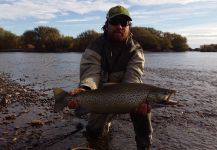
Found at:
[119, 31]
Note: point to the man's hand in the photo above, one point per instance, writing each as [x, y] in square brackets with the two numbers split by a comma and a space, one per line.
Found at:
[79, 112]
[73, 103]
[75, 91]
[143, 109]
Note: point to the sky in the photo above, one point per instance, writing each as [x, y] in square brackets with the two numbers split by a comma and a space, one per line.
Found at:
[194, 19]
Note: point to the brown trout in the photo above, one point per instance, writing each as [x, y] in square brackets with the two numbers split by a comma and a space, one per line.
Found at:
[115, 98]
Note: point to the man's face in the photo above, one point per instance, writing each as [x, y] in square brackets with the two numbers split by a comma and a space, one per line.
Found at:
[118, 29]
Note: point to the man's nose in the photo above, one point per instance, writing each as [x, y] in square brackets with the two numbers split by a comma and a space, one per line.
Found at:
[119, 26]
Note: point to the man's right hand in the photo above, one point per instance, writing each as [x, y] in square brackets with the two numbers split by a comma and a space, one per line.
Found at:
[79, 112]
[75, 91]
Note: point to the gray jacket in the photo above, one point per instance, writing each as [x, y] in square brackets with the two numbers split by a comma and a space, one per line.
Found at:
[104, 61]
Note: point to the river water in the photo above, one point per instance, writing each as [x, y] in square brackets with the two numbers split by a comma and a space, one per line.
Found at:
[192, 125]
[46, 70]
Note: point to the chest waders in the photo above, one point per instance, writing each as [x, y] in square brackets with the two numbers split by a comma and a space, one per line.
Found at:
[97, 130]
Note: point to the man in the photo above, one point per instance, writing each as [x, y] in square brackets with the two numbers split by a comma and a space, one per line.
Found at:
[114, 57]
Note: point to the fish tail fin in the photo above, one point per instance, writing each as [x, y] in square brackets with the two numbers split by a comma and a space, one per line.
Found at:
[60, 99]
[58, 91]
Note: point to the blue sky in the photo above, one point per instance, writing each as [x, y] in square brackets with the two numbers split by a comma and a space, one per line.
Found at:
[194, 19]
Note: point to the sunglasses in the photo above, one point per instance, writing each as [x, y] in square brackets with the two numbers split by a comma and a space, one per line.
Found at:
[123, 23]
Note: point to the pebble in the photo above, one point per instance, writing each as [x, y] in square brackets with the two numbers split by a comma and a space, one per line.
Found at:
[37, 122]
[17, 93]
[14, 139]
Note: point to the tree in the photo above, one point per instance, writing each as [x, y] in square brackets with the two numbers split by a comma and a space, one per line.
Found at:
[178, 42]
[46, 37]
[146, 39]
[65, 43]
[165, 44]
[7, 39]
[84, 39]
[29, 39]
[208, 48]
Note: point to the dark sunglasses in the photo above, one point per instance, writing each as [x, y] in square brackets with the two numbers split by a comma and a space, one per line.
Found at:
[123, 23]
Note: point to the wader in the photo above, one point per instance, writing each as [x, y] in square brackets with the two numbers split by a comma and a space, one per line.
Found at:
[97, 130]
[98, 136]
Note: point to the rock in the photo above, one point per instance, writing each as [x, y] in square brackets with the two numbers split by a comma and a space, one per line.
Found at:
[37, 123]
[14, 139]
[4, 101]
[17, 93]
[10, 117]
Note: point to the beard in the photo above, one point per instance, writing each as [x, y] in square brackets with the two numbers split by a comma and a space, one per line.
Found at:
[118, 36]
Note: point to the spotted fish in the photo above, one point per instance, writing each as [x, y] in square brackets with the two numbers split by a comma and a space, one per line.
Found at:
[115, 98]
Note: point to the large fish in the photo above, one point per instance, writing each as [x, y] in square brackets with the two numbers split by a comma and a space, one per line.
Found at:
[115, 98]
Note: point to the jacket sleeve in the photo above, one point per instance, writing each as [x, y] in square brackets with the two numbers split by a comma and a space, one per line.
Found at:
[90, 68]
[135, 67]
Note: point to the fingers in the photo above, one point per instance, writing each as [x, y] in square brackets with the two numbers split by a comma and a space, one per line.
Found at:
[143, 109]
[76, 91]
[73, 104]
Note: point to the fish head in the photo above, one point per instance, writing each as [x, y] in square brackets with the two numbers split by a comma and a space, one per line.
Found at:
[160, 95]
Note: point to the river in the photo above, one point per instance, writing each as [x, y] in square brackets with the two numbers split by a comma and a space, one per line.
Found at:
[192, 125]
[46, 70]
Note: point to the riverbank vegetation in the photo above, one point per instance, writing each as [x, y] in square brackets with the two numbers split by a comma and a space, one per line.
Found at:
[49, 39]
[207, 48]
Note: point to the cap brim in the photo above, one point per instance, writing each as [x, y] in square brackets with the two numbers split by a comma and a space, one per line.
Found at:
[120, 15]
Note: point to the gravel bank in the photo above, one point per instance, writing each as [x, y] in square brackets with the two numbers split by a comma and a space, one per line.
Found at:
[28, 122]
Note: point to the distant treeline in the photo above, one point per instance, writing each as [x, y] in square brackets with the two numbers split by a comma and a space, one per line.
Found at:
[49, 39]
[207, 48]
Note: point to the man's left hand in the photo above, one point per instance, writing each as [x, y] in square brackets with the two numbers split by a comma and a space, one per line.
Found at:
[143, 109]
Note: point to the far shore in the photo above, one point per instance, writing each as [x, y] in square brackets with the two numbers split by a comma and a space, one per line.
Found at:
[66, 51]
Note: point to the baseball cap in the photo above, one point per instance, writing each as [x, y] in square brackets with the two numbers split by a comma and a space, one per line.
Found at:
[118, 10]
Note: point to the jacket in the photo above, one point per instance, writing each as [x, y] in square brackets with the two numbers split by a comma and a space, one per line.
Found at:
[104, 61]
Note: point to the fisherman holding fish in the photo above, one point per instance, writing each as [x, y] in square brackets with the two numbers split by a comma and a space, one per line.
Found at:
[114, 57]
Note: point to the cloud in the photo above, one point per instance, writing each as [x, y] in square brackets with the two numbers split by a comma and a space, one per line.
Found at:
[42, 22]
[157, 2]
[47, 9]
[199, 34]
[175, 12]
[79, 20]
[200, 31]
[24, 8]
[21, 9]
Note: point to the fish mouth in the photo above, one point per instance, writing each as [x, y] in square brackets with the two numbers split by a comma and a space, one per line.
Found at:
[171, 94]
[170, 102]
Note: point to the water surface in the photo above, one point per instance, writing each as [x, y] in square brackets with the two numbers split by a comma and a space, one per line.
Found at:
[192, 125]
[46, 70]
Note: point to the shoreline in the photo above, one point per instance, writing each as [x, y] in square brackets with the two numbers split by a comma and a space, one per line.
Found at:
[33, 51]
[27, 120]
[68, 51]
[11, 92]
